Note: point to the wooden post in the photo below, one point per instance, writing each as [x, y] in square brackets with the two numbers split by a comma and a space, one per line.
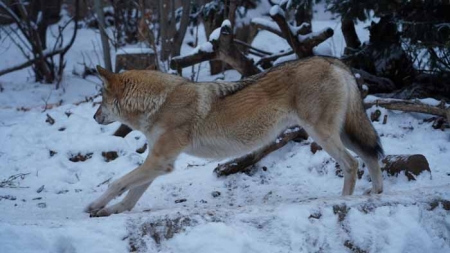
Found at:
[103, 35]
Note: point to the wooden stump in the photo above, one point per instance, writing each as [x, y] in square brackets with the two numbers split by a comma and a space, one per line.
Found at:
[134, 58]
[412, 165]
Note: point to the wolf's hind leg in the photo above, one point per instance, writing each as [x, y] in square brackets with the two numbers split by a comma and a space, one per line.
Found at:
[373, 166]
[336, 149]
[372, 163]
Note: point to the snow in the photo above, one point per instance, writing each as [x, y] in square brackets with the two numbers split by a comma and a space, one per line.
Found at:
[215, 34]
[226, 23]
[289, 207]
[276, 10]
[261, 10]
[206, 47]
[266, 22]
[143, 49]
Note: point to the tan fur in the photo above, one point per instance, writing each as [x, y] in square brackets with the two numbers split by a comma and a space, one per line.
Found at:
[219, 120]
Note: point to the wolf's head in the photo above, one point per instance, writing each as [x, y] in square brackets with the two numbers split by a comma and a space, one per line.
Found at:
[109, 110]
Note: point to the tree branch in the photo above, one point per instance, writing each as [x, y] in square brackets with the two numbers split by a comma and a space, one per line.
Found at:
[301, 43]
[223, 48]
[267, 25]
[51, 54]
[410, 106]
[266, 62]
[180, 62]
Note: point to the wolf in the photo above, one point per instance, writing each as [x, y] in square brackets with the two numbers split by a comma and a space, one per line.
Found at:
[227, 119]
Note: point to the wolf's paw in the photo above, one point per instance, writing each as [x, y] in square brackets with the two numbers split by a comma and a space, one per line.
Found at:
[101, 213]
[92, 208]
[373, 191]
[114, 209]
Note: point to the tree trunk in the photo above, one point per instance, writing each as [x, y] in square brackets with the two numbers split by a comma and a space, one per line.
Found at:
[181, 32]
[304, 13]
[384, 55]
[351, 38]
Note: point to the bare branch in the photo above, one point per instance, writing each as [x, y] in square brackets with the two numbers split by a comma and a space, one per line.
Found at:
[47, 55]
[251, 47]
[223, 48]
[267, 25]
[301, 43]
[410, 106]
[268, 60]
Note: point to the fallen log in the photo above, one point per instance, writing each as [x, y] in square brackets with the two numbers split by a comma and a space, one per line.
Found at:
[242, 163]
[411, 106]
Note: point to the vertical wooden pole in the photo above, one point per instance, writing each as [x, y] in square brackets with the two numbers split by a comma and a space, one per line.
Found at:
[103, 35]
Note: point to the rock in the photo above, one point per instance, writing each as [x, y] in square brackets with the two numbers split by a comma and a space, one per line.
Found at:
[62, 192]
[110, 155]
[8, 197]
[50, 120]
[40, 189]
[215, 194]
[164, 229]
[142, 149]
[375, 116]
[80, 157]
[42, 205]
[315, 147]
[411, 165]
[302, 136]
[341, 211]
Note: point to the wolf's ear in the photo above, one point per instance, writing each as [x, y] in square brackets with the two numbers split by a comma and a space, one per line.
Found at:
[105, 75]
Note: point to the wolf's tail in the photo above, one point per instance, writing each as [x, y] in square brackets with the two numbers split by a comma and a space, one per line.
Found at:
[359, 131]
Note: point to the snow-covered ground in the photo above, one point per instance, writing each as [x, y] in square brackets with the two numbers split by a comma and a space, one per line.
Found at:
[292, 206]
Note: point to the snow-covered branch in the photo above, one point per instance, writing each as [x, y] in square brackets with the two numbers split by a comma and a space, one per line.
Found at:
[221, 46]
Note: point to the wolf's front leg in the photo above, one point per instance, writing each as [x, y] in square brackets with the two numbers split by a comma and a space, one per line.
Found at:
[133, 181]
[126, 204]
[129, 201]
[164, 152]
